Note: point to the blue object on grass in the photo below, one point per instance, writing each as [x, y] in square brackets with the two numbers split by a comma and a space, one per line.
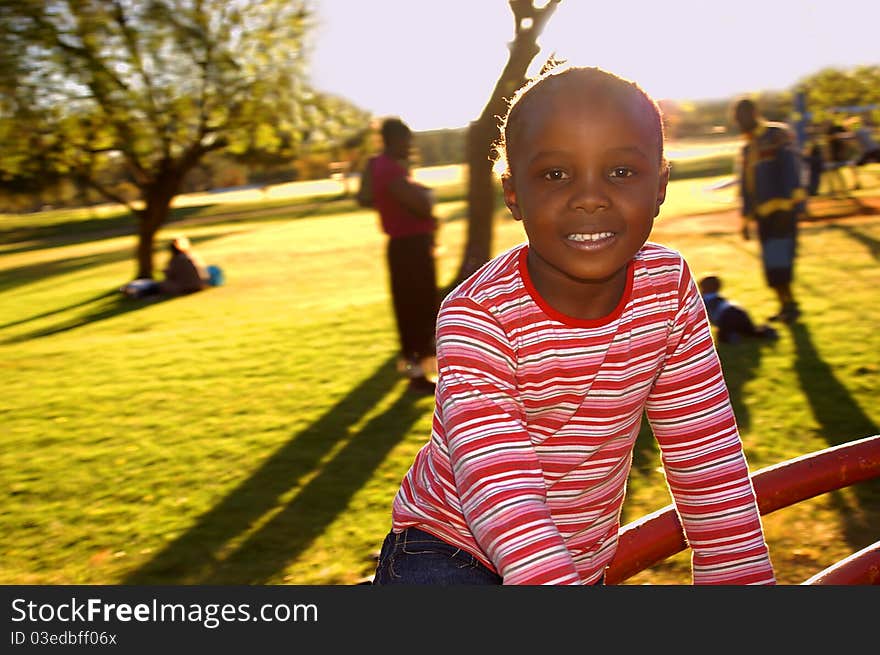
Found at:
[216, 275]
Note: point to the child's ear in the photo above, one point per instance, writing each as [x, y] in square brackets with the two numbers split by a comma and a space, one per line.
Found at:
[661, 187]
[510, 197]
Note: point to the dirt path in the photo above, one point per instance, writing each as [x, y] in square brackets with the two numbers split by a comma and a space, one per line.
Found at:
[821, 210]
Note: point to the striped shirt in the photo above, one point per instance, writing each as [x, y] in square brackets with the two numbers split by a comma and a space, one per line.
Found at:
[536, 415]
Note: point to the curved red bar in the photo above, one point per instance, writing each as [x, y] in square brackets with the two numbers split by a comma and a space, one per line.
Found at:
[862, 567]
[659, 535]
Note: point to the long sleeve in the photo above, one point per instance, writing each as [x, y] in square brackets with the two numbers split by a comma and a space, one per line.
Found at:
[707, 473]
[497, 472]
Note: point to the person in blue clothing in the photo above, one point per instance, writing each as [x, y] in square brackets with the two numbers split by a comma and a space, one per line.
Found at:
[731, 321]
[773, 199]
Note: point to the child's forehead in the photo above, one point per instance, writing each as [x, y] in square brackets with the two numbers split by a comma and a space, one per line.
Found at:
[570, 97]
[576, 92]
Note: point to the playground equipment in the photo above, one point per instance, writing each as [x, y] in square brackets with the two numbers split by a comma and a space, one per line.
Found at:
[659, 535]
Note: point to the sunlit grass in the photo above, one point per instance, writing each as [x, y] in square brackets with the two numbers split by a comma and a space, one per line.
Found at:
[256, 432]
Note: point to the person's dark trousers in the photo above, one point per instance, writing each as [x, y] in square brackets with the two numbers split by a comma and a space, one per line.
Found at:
[414, 556]
[778, 235]
[417, 557]
[414, 293]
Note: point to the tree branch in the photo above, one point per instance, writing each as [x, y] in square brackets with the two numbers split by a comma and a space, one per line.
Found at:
[134, 51]
[523, 49]
[88, 180]
[88, 58]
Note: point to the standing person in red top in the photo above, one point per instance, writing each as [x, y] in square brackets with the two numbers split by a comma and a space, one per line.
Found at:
[406, 211]
[550, 354]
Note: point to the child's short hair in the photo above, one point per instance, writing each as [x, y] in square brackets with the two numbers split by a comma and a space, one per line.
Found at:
[710, 284]
[552, 71]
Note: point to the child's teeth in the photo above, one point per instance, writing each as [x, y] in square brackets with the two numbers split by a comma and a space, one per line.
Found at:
[595, 236]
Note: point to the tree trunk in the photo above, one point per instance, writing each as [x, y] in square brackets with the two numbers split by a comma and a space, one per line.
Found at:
[153, 216]
[480, 195]
[482, 133]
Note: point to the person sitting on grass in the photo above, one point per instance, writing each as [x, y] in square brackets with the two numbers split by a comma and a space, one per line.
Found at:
[732, 321]
[185, 272]
[550, 354]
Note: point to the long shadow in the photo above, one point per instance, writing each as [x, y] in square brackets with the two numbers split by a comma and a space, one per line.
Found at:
[75, 231]
[870, 242]
[92, 230]
[197, 555]
[59, 310]
[14, 277]
[740, 363]
[646, 452]
[840, 420]
[290, 532]
[106, 305]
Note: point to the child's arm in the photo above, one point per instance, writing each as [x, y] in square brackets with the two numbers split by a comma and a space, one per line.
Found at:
[692, 419]
[498, 476]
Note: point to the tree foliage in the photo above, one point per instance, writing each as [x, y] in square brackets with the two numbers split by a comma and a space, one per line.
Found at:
[154, 86]
[833, 90]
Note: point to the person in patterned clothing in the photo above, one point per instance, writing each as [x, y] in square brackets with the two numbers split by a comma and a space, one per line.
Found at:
[550, 354]
[732, 321]
[773, 198]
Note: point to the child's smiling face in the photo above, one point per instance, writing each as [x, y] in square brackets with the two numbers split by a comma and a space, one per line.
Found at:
[587, 178]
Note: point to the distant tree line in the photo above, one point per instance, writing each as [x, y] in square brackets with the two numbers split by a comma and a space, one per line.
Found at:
[825, 91]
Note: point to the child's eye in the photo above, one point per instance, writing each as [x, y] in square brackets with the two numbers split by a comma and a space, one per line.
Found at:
[622, 171]
[555, 175]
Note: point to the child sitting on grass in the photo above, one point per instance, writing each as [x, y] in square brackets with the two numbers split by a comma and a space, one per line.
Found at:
[732, 321]
[549, 355]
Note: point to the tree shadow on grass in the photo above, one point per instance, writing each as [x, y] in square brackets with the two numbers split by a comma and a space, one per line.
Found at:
[72, 232]
[840, 420]
[207, 553]
[646, 452]
[103, 306]
[870, 242]
[40, 271]
[61, 310]
[740, 363]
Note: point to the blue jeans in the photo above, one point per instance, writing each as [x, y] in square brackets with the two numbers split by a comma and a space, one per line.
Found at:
[417, 557]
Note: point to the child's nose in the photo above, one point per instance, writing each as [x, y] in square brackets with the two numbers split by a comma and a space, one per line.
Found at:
[589, 195]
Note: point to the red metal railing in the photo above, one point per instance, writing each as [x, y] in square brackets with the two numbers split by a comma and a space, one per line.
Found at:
[862, 567]
[659, 535]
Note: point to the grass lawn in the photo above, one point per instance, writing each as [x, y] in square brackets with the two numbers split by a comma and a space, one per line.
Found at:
[256, 433]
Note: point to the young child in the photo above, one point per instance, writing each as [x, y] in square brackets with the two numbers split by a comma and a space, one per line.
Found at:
[548, 356]
[733, 322]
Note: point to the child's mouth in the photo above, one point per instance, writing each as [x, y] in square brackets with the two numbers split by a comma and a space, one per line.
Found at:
[590, 240]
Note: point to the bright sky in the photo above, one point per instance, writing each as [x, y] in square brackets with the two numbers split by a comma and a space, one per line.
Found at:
[435, 62]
